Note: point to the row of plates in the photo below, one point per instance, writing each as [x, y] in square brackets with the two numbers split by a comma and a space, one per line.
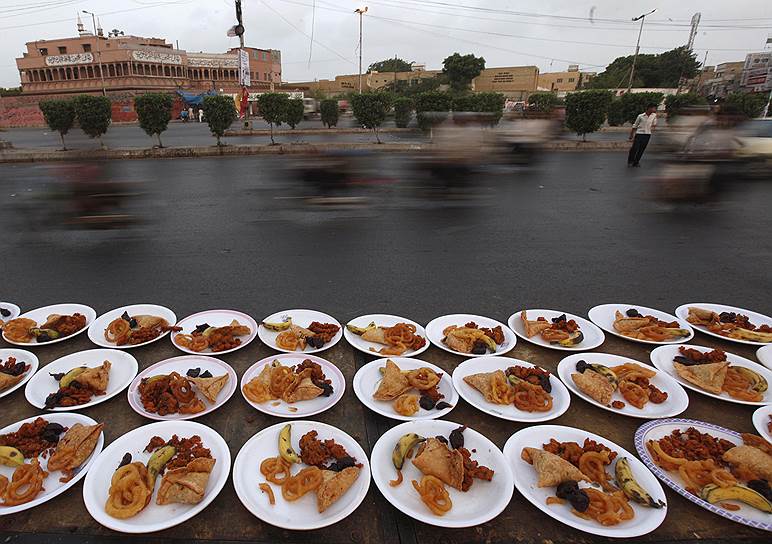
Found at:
[483, 502]
[124, 373]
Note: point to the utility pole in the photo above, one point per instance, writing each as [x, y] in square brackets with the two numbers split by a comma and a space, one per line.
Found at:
[361, 12]
[641, 18]
[692, 34]
[99, 52]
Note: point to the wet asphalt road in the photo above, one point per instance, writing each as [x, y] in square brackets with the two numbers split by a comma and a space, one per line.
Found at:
[227, 233]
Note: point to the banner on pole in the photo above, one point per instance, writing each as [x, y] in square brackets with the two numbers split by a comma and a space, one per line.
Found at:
[244, 68]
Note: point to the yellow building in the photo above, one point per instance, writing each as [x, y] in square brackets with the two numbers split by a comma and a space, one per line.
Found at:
[570, 80]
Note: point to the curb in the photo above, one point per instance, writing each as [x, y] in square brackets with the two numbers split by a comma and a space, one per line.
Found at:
[317, 131]
[20, 156]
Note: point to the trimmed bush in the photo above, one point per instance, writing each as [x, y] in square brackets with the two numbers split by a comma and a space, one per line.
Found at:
[675, 102]
[492, 105]
[154, 110]
[293, 112]
[329, 112]
[403, 111]
[94, 115]
[272, 108]
[586, 111]
[432, 108]
[543, 101]
[749, 104]
[59, 116]
[370, 110]
[220, 113]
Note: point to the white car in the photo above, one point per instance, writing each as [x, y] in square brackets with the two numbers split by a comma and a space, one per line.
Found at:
[754, 139]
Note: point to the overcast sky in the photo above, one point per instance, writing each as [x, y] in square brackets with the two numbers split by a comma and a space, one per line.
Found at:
[549, 33]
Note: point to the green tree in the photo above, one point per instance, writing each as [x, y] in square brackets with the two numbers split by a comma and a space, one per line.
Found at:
[432, 108]
[154, 111]
[491, 105]
[586, 111]
[663, 70]
[329, 112]
[94, 115]
[390, 65]
[59, 116]
[272, 107]
[615, 114]
[461, 70]
[633, 104]
[403, 111]
[749, 104]
[543, 101]
[403, 87]
[370, 110]
[293, 112]
[220, 113]
[11, 91]
[675, 102]
[464, 103]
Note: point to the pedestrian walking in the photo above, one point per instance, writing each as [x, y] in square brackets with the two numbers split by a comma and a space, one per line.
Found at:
[640, 134]
[190, 113]
[200, 115]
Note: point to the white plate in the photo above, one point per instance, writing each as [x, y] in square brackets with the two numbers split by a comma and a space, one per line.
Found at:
[654, 430]
[301, 515]
[662, 357]
[154, 517]
[646, 519]
[484, 500]
[560, 397]
[761, 420]
[181, 365]
[51, 485]
[593, 336]
[764, 355]
[677, 399]
[604, 316]
[11, 307]
[438, 324]
[96, 332]
[22, 356]
[302, 318]
[304, 408]
[368, 378]
[40, 315]
[755, 318]
[216, 318]
[123, 368]
[383, 320]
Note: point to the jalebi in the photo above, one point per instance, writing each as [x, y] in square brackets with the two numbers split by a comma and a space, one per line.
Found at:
[118, 331]
[434, 495]
[26, 483]
[308, 479]
[406, 405]
[634, 393]
[129, 491]
[606, 508]
[423, 378]
[593, 465]
[265, 488]
[272, 467]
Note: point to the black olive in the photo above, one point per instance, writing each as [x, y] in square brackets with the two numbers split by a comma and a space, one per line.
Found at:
[559, 318]
[5, 312]
[133, 323]
[326, 389]
[16, 370]
[632, 312]
[53, 399]
[426, 402]
[125, 460]
[43, 337]
[479, 348]
[581, 366]
[201, 328]
[206, 374]
[579, 501]
[544, 382]
[343, 462]
[193, 372]
[315, 342]
[566, 489]
[442, 439]
[762, 488]
[54, 428]
[126, 317]
[727, 317]
[457, 438]
[442, 405]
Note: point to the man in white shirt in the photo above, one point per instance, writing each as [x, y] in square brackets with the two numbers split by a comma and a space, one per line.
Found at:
[640, 134]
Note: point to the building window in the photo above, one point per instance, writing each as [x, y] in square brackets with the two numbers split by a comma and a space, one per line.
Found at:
[62, 50]
[43, 51]
[559, 80]
[571, 79]
[265, 55]
[86, 47]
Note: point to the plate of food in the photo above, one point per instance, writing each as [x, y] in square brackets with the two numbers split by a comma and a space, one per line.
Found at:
[182, 387]
[405, 389]
[293, 385]
[623, 385]
[564, 472]
[48, 325]
[728, 322]
[455, 476]
[725, 472]
[214, 331]
[307, 331]
[17, 366]
[556, 330]
[511, 389]
[641, 324]
[764, 355]
[715, 373]
[132, 326]
[8, 311]
[157, 476]
[330, 480]
[42, 457]
[81, 379]
[470, 335]
[762, 421]
[388, 335]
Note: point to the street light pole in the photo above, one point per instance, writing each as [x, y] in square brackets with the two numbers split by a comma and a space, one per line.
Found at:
[642, 18]
[361, 12]
[99, 52]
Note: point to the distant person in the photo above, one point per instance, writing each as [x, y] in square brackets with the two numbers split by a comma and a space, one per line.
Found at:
[640, 134]
[201, 115]
[184, 116]
[190, 113]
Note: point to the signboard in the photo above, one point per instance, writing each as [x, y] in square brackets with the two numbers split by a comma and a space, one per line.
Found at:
[76, 58]
[222, 61]
[244, 78]
[154, 56]
[292, 95]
